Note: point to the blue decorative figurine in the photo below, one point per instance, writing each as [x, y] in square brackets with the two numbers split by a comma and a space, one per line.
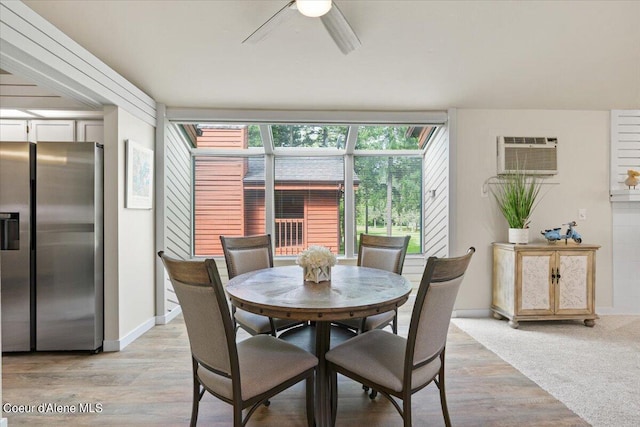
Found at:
[554, 234]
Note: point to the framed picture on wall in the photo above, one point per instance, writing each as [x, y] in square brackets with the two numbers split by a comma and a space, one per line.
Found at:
[139, 176]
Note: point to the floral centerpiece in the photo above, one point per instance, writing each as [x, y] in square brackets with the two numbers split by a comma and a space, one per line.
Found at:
[316, 262]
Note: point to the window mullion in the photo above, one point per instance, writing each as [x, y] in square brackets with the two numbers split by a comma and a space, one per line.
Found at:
[349, 208]
[352, 138]
[267, 140]
[269, 193]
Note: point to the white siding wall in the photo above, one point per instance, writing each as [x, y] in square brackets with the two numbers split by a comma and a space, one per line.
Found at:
[625, 145]
[436, 204]
[177, 204]
[178, 195]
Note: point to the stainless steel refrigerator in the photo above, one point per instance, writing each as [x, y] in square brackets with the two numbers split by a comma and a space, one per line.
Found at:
[51, 250]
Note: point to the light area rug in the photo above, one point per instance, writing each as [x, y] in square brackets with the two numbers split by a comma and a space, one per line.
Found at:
[595, 371]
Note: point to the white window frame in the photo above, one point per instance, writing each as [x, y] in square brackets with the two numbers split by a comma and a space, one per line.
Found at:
[349, 118]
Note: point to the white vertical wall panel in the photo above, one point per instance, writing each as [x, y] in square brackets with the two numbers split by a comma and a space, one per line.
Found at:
[625, 155]
[626, 257]
[625, 145]
[177, 203]
[178, 195]
[436, 203]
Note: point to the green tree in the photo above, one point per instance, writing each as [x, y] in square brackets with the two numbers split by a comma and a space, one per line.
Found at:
[309, 136]
[384, 181]
[255, 139]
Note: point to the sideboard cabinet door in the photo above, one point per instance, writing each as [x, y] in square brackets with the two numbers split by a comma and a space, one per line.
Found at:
[536, 294]
[574, 287]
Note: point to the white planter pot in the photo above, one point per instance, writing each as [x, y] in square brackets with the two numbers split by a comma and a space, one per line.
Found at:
[519, 235]
[317, 275]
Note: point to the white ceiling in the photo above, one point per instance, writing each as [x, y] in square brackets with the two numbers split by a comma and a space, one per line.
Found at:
[415, 55]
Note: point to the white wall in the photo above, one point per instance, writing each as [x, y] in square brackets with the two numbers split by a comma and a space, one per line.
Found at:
[129, 238]
[626, 257]
[582, 182]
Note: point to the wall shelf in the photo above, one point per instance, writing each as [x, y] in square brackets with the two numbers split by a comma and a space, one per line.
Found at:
[632, 195]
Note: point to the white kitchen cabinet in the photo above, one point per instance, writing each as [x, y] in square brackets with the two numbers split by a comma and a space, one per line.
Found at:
[13, 130]
[90, 131]
[52, 130]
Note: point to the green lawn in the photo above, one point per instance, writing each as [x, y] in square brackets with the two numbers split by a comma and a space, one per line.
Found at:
[414, 242]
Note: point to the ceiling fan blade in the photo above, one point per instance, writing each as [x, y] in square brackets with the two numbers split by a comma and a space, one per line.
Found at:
[264, 30]
[340, 30]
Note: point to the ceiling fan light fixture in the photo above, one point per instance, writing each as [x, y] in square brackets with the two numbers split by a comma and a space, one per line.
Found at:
[313, 8]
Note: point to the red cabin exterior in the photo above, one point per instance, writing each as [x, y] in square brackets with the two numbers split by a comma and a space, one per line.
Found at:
[229, 197]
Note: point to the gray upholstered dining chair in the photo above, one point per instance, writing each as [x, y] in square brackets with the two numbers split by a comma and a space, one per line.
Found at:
[245, 254]
[396, 366]
[384, 253]
[232, 372]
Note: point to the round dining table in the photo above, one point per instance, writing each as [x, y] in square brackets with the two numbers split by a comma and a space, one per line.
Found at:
[352, 292]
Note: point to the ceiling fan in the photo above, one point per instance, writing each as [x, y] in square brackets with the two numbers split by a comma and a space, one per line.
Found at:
[328, 12]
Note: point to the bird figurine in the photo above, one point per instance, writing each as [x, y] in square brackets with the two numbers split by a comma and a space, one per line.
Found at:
[632, 178]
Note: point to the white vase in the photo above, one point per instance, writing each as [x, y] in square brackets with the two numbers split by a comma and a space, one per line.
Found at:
[317, 275]
[519, 235]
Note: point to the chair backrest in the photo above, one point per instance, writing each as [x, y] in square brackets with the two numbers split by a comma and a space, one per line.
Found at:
[433, 307]
[244, 254]
[383, 252]
[206, 314]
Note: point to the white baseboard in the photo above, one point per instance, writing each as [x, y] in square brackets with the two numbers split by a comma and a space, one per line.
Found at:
[168, 317]
[471, 313]
[117, 345]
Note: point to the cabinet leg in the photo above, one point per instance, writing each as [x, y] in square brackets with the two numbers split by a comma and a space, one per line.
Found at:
[514, 324]
[590, 323]
[497, 315]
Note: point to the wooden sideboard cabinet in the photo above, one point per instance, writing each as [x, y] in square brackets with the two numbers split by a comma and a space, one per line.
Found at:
[553, 281]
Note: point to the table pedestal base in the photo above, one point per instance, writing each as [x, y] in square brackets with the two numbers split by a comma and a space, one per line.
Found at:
[318, 339]
[305, 336]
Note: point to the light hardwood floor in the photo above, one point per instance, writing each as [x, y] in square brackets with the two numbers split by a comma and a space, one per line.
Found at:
[149, 384]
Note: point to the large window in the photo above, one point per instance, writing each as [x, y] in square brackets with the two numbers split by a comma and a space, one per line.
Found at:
[292, 181]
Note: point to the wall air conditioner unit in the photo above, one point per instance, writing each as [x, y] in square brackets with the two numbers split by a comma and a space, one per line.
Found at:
[534, 155]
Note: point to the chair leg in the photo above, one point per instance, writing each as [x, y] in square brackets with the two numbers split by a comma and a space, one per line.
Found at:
[195, 405]
[443, 396]
[237, 415]
[196, 395]
[334, 396]
[233, 318]
[274, 330]
[394, 325]
[406, 410]
[311, 415]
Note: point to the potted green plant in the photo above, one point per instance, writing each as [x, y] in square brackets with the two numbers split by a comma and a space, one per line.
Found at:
[517, 195]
